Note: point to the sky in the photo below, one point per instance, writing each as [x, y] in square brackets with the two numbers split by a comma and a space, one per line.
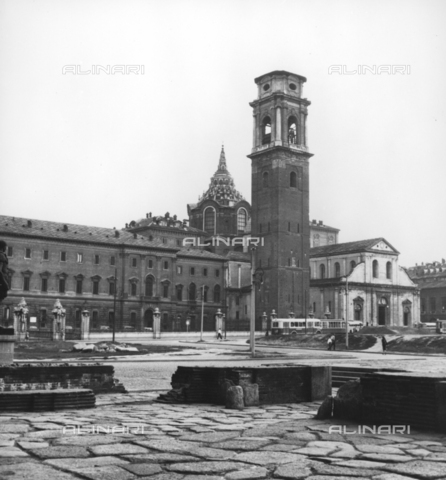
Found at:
[106, 149]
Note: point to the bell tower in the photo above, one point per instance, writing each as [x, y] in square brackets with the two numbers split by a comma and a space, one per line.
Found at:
[280, 194]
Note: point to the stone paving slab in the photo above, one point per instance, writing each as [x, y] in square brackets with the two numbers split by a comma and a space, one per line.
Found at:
[184, 442]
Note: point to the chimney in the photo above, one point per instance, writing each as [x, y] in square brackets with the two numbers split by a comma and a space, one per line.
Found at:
[314, 222]
[126, 225]
[65, 228]
[117, 233]
[147, 215]
[134, 235]
[321, 222]
[150, 214]
[29, 223]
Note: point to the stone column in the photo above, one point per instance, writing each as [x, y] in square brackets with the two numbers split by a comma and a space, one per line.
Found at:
[21, 320]
[254, 132]
[85, 325]
[278, 125]
[157, 323]
[58, 321]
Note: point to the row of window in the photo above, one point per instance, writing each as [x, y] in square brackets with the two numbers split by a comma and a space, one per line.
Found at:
[112, 260]
[192, 292]
[375, 269]
[433, 305]
[210, 215]
[62, 256]
[293, 135]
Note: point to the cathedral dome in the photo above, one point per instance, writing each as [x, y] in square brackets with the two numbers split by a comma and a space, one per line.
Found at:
[222, 189]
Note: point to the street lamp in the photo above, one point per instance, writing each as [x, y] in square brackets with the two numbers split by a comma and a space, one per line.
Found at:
[256, 279]
[345, 291]
[202, 313]
[156, 323]
[265, 322]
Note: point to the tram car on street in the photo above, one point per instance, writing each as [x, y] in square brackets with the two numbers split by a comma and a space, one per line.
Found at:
[293, 326]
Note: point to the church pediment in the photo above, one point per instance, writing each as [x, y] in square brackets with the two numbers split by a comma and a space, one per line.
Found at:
[383, 246]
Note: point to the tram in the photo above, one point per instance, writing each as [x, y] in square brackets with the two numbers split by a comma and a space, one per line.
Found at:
[293, 326]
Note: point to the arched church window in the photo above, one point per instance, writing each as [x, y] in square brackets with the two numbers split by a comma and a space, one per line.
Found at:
[292, 130]
[352, 265]
[265, 179]
[266, 130]
[322, 271]
[316, 240]
[389, 270]
[242, 219]
[375, 269]
[337, 269]
[293, 180]
[209, 220]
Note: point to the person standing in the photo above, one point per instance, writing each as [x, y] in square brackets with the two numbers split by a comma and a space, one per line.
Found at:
[384, 344]
[330, 343]
[333, 342]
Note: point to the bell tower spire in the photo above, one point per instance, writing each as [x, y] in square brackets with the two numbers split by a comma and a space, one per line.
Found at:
[280, 193]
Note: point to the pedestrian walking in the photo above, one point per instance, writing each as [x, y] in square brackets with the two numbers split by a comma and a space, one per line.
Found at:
[384, 344]
[330, 343]
[219, 335]
[333, 342]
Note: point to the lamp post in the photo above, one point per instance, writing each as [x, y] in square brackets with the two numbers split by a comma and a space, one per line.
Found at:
[345, 291]
[252, 325]
[156, 323]
[114, 304]
[265, 322]
[202, 313]
[256, 279]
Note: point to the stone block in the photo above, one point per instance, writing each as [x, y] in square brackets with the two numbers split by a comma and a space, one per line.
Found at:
[251, 395]
[348, 402]
[326, 409]
[234, 398]
[320, 382]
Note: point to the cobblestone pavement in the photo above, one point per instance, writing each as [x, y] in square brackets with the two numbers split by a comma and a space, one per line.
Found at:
[153, 441]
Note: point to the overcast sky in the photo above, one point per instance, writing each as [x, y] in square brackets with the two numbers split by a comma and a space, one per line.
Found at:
[106, 149]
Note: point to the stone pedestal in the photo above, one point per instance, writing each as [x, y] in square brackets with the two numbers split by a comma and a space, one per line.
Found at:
[85, 326]
[7, 346]
[320, 382]
[58, 321]
[21, 320]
